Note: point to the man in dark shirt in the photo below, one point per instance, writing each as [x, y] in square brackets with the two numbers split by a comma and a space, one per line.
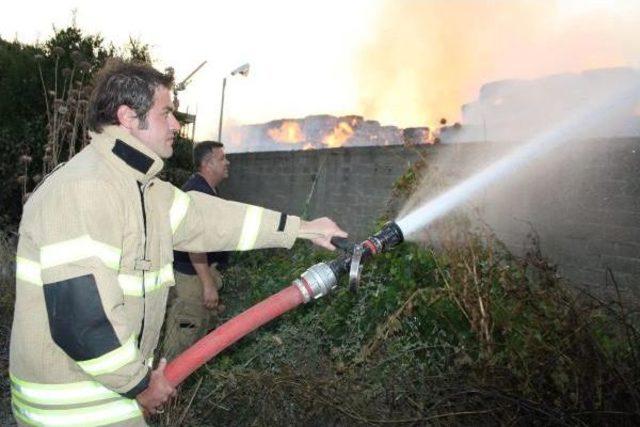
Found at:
[197, 275]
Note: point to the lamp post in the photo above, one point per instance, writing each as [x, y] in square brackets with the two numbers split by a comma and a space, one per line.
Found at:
[243, 70]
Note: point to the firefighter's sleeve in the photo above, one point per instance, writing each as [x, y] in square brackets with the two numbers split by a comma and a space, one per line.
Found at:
[203, 223]
[80, 246]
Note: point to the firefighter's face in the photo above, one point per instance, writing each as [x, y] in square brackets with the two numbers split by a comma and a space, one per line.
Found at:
[158, 131]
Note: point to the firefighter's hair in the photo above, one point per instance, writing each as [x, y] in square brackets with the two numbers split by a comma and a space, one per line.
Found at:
[202, 151]
[123, 83]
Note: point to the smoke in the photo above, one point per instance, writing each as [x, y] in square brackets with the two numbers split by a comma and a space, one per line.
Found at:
[428, 57]
[523, 155]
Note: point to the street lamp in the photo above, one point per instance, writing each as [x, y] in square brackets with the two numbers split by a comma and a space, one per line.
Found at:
[243, 70]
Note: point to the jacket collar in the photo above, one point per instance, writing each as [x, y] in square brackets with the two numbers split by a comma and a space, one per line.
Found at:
[127, 153]
[203, 180]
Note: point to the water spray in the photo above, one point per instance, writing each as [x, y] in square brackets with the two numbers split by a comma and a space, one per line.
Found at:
[590, 115]
[316, 282]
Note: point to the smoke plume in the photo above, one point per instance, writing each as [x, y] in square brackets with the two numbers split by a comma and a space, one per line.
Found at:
[429, 57]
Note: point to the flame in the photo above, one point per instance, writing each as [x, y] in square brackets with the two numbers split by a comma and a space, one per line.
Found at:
[289, 132]
[428, 137]
[338, 136]
[308, 146]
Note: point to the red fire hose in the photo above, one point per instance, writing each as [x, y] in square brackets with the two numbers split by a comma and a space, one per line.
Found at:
[317, 281]
[230, 332]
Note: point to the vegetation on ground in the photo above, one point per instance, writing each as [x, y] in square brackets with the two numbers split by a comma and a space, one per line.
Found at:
[462, 334]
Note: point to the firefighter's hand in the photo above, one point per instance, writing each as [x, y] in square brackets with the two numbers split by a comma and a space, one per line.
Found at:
[158, 393]
[209, 295]
[320, 231]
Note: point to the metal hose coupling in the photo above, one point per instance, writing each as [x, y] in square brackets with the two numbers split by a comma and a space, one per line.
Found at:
[320, 279]
[316, 282]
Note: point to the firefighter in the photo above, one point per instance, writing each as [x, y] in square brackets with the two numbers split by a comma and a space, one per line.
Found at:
[193, 302]
[94, 261]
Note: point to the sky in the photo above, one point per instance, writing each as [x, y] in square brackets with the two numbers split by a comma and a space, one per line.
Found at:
[402, 62]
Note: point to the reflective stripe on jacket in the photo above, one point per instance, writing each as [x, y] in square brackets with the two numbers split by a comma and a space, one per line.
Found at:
[93, 268]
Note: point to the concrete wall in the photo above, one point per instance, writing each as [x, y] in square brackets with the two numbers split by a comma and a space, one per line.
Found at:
[583, 201]
[351, 185]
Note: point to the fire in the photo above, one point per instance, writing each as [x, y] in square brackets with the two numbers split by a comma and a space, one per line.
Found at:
[307, 146]
[338, 136]
[428, 137]
[418, 136]
[289, 132]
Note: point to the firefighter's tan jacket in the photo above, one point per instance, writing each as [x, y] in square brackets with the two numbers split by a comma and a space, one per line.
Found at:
[94, 264]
